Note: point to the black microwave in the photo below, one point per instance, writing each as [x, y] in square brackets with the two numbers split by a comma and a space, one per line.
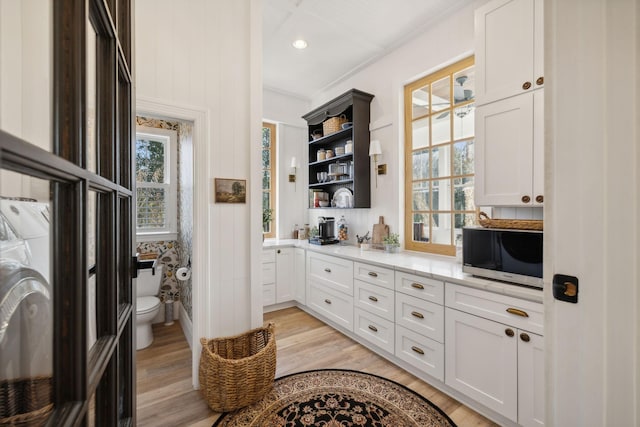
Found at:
[509, 255]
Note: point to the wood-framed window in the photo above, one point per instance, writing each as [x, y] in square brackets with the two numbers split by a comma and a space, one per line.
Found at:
[269, 184]
[439, 155]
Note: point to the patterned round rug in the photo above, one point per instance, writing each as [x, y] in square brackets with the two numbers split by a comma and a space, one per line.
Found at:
[335, 398]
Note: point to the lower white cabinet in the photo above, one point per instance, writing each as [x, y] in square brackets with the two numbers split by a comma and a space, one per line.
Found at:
[500, 365]
[422, 352]
[374, 329]
[268, 277]
[332, 304]
[420, 316]
[299, 276]
[277, 275]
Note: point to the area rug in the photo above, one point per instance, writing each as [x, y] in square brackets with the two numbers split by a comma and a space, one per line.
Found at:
[336, 397]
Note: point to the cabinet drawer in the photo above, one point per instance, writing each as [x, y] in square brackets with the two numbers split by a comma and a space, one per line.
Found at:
[268, 255]
[505, 309]
[423, 317]
[268, 273]
[334, 272]
[421, 287]
[421, 352]
[268, 294]
[372, 274]
[374, 299]
[332, 304]
[374, 329]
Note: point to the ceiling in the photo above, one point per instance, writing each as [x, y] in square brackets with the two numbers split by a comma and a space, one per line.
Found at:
[343, 37]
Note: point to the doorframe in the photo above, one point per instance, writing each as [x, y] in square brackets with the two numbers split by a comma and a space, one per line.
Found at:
[201, 293]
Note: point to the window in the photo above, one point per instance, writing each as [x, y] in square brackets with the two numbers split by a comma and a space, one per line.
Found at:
[156, 180]
[269, 178]
[439, 153]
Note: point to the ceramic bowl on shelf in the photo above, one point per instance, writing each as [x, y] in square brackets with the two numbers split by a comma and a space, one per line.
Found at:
[347, 125]
[323, 203]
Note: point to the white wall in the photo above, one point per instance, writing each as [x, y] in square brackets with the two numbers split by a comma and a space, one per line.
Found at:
[208, 55]
[444, 43]
[592, 213]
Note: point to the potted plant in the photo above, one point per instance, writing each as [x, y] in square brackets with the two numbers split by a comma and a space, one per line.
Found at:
[391, 242]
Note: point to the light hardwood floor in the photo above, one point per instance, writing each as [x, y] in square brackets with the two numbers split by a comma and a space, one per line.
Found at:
[166, 398]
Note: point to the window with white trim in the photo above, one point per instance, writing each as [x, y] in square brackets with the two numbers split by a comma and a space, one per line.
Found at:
[156, 181]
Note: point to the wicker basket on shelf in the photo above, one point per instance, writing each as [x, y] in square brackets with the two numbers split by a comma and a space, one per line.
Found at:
[25, 401]
[334, 124]
[519, 224]
[238, 371]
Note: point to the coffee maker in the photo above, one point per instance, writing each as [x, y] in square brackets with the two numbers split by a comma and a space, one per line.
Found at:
[326, 231]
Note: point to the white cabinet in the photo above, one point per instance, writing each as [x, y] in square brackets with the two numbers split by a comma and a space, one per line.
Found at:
[300, 276]
[374, 305]
[284, 274]
[419, 318]
[509, 119]
[277, 275]
[490, 357]
[509, 159]
[330, 288]
[268, 277]
[509, 49]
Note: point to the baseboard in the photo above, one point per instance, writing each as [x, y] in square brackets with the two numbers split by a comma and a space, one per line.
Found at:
[280, 306]
[187, 325]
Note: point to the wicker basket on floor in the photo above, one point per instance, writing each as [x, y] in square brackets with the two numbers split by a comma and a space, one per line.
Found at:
[519, 224]
[238, 371]
[25, 401]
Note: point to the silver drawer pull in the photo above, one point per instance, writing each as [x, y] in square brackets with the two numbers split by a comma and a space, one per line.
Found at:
[417, 349]
[517, 312]
[417, 286]
[328, 301]
[328, 270]
[373, 274]
[373, 328]
[418, 315]
[374, 299]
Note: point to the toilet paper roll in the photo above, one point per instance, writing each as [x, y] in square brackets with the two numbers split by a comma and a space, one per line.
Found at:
[183, 273]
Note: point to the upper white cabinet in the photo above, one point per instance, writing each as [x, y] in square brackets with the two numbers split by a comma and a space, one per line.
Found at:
[509, 120]
[509, 49]
[509, 163]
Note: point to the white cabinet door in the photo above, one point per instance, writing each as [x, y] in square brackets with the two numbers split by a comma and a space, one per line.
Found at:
[300, 276]
[481, 361]
[504, 152]
[508, 49]
[530, 379]
[284, 274]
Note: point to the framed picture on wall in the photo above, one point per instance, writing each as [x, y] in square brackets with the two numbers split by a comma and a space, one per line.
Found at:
[230, 190]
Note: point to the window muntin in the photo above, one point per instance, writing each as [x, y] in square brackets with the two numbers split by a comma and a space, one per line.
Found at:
[439, 155]
[156, 180]
[269, 176]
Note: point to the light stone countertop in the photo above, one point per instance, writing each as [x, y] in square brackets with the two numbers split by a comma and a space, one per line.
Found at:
[428, 265]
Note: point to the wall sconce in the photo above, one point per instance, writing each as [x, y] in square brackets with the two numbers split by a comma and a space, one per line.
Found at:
[374, 151]
[292, 172]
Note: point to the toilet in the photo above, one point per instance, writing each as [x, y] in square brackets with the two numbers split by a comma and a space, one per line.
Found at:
[147, 304]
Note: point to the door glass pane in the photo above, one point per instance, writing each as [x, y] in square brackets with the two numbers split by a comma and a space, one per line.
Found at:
[91, 263]
[441, 161]
[463, 194]
[26, 295]
[441, 132]
[441, 228]
[464, 85]
[441, 195]
[420, 164]
[420, 102]
[420, 137]
[463, 158]
[463, 121]
[421, 227]
[26, 70]
[441, 95]
[92, 150]
[421, 196]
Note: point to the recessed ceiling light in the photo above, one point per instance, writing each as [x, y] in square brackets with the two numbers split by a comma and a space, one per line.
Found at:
[300, 44]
